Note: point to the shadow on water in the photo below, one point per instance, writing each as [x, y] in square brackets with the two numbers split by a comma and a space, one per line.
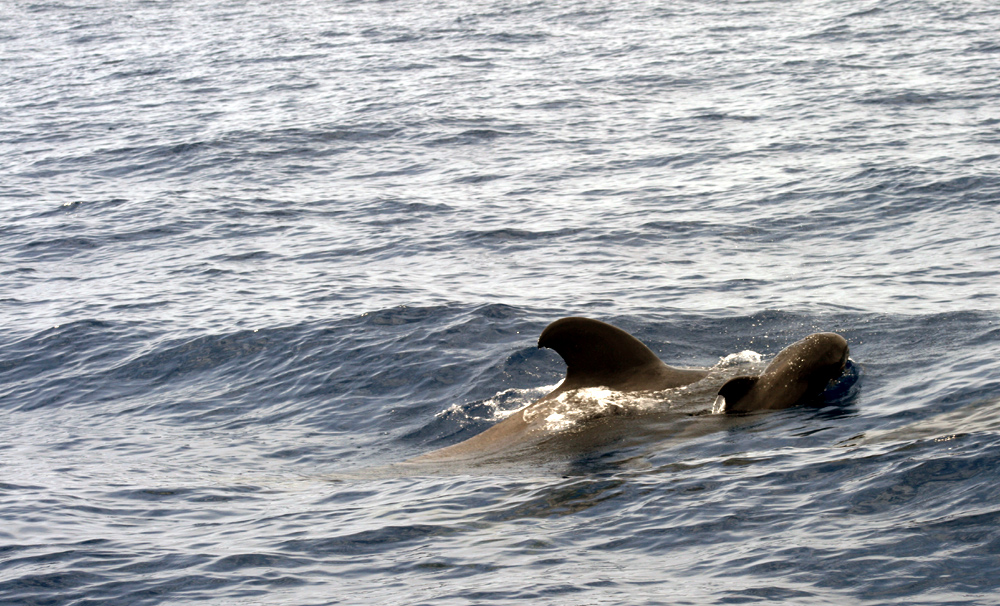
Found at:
[978, 417]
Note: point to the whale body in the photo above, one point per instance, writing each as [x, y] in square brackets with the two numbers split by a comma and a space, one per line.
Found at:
[601, 356]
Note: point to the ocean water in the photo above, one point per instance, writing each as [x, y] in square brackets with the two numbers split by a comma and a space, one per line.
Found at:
[254, 256]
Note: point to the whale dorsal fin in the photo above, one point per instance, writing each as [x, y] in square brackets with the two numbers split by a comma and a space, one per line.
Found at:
[734, 391]
[596, 353]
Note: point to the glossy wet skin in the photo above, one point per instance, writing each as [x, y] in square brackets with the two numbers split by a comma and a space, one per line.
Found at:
[797, 375]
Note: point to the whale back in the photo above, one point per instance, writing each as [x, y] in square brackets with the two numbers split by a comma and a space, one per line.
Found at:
[601, 355]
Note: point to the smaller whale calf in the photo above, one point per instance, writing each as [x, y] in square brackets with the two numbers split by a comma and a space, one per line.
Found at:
[798, 374]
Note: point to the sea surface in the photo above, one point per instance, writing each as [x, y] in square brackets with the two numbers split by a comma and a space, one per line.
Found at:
[255, 256]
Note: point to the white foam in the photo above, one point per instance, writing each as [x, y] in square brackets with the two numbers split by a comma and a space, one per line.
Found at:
[499, 406]
[739, 359]
[573, 407]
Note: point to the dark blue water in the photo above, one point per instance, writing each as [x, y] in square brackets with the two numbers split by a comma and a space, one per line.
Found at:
[253, 256]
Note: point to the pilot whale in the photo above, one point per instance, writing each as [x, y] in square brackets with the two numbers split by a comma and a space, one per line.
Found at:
[797, 375]
[599, 355]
